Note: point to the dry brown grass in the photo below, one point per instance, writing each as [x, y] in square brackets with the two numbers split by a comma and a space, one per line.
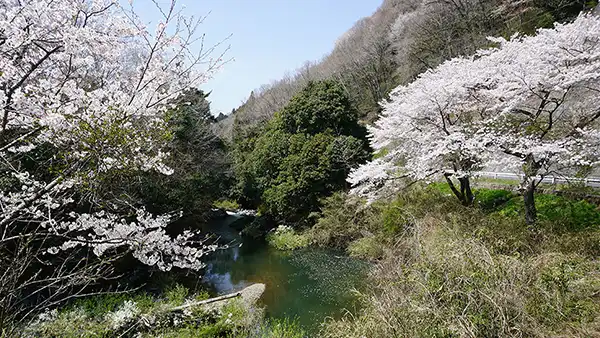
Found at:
[458, 272]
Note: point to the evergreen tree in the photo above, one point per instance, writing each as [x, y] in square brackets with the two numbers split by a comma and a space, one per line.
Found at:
[303, 154]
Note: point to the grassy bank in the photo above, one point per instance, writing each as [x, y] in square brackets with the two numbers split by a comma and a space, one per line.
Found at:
[451, 271]
[144, 316]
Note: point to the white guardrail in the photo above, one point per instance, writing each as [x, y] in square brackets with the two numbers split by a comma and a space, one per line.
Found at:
[593, 182]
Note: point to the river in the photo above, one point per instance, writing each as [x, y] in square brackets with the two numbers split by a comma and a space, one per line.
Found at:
[307, 285]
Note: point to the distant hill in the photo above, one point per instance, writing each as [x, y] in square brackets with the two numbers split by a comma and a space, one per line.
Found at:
[400, 40]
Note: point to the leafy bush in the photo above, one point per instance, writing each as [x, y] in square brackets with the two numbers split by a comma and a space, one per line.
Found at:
[344, 219]
[286, 238]
[176, 294]
[228, 205]
[491, 199]
[568, 214]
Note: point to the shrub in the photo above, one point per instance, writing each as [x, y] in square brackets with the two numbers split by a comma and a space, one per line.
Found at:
[176, 294]
[96, 307]
[491, 199]
[228, 205]
[286, 238]
[343, 220]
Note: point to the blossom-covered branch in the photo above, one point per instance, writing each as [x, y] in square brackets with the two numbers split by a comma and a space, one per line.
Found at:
[529, 104]
[85, 93]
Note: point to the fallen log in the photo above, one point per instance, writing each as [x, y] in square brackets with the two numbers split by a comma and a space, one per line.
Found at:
[206, 301]
[249, 296]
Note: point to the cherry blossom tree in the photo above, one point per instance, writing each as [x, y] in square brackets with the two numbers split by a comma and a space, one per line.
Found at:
[539, 107]
[529, 105]
[84, 92]
[426, 131]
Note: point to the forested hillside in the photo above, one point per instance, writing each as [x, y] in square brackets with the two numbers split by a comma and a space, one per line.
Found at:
[400, 40]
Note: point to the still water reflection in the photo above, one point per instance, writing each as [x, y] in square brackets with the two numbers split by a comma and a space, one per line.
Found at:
[309, 284]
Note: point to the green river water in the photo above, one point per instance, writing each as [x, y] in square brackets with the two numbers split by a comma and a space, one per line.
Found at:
[307, 285]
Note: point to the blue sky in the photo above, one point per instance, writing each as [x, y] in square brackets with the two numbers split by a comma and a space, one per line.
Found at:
[269, 37]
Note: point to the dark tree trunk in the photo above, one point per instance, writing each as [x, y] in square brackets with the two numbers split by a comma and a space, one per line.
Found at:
[465, 195]
[529, 202]
[465, 187]
[453, 188]
[530, 168]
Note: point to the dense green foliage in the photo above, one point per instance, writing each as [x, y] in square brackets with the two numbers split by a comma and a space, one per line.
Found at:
[197, 156]
[344, 219]
[303, 154]
[286, 238]
[319, 107]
